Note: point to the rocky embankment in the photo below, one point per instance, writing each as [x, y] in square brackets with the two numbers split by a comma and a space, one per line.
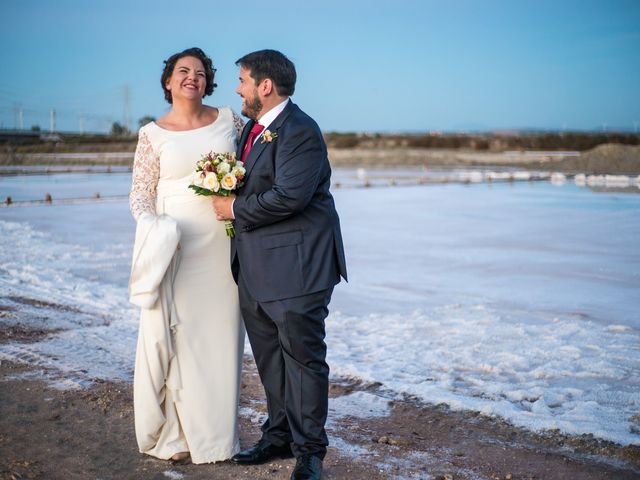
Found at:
[610, 159]
[604, 159]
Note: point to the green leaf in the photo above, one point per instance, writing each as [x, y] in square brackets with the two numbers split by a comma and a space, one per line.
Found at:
[201, 191]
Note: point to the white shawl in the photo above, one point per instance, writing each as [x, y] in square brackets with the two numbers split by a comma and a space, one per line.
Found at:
[156, 256]
[156, 243]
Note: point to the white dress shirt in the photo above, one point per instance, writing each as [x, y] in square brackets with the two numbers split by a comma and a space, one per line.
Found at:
[267, 118]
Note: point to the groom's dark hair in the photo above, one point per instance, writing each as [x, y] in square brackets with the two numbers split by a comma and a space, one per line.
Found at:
[273, 65]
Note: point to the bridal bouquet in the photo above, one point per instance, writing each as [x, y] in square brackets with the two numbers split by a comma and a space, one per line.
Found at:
[218, 174]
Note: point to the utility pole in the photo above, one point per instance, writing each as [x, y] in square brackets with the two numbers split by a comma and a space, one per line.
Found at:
[52, 120]
[125, 94]
[19, 116]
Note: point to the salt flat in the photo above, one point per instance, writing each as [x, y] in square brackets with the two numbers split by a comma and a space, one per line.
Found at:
[517, 300]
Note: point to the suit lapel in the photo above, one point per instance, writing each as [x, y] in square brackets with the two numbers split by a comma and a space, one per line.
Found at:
[254, 153]
[243, 138]
[259, 146]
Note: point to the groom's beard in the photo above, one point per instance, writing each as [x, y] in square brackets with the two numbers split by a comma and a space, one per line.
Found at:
[252, 108]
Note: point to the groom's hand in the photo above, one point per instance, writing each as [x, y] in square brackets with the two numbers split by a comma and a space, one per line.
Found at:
[223, 207]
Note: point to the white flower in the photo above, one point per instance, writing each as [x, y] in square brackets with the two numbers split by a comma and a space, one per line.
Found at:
[229, 181]
[211, 182]
[224, 167]
[236, 171]
[197, 179]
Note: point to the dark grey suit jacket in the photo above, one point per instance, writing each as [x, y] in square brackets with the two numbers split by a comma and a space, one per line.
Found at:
[288, 241]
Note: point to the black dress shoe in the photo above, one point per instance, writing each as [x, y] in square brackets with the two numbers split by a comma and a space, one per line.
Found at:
[308, 467]
[262, 452]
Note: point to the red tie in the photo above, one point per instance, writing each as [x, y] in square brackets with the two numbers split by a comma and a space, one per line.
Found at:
[255, 131]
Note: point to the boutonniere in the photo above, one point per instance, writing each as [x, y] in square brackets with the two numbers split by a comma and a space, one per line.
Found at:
[268, 136]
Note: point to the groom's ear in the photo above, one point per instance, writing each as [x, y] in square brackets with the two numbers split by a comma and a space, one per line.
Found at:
[266, 86]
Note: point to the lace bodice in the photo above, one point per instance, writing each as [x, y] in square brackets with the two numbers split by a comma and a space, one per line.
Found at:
[172, 155]
[238, 124]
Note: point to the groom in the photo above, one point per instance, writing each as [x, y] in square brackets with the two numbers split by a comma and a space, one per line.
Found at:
[286, 258]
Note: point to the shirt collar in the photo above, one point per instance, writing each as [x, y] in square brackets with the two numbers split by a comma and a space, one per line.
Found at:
[268, 118]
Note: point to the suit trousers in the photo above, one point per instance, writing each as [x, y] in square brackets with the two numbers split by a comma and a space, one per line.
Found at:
[287, 340]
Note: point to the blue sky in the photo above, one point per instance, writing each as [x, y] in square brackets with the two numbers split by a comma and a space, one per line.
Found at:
[402, 65]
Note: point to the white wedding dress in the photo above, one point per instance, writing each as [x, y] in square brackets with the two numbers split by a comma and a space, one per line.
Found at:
[190, 403]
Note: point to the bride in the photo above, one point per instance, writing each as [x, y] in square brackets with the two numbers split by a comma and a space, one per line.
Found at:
[190, 343]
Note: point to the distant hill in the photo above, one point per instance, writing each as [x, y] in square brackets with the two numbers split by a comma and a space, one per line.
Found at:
[483, 142]
[613, 153]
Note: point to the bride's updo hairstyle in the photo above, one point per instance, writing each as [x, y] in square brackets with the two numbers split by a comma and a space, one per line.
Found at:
[170, 64]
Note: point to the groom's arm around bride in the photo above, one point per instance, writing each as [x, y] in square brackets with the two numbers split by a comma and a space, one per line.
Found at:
[286, 258]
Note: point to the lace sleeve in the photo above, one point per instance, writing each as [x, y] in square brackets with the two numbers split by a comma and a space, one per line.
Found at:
[238, 124]
[146, 172]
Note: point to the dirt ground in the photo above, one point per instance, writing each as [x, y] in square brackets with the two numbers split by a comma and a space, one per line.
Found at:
[47, 433]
